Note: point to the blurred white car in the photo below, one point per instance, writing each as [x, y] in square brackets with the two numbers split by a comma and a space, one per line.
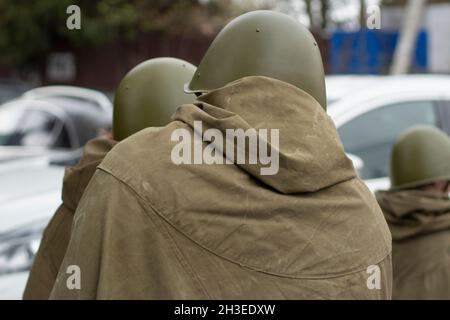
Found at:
[339, 86]
[45, 125]
[54, 121]
[377, 110]
[30, 192]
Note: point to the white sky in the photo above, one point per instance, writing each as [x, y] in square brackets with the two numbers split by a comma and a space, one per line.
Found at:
[344, 11]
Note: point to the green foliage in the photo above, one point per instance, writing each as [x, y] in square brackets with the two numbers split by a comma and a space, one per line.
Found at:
[26, 27]
[30, 29]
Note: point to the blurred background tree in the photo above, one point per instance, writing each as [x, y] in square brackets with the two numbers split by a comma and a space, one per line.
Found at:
[28, 29]
[115, 35]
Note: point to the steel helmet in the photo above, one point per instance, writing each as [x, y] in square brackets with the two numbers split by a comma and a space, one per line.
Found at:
[262, 43]
[149, 94]
[420, 156]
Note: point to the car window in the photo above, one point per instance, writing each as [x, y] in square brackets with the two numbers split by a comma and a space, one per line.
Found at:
[63, 139]
[371, 135]
[35, 128]
[444, 115]
[9, 120]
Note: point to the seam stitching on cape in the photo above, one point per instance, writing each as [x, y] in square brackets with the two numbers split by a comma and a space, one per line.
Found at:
[172, 243]
[148, 202]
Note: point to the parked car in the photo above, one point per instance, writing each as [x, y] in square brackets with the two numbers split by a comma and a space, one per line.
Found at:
[45, 125]
[339, 86]
[52, 121]
[30, 192]
[94, 97]
[370, 117]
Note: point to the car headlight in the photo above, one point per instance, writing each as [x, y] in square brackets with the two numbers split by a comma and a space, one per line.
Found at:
[19, 246]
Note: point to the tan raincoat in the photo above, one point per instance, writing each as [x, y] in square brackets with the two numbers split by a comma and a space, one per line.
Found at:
[420, 226]
[57, 234]
[147, 228]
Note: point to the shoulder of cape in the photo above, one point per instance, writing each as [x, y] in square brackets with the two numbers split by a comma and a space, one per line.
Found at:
[141, 153]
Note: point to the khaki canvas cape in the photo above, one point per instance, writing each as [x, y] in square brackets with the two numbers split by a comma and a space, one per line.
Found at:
[57, 234]
[147, 228]
[420, 226]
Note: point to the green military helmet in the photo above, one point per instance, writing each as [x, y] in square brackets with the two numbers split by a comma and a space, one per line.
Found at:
[420, 156]
[149, 94]
[262, 43]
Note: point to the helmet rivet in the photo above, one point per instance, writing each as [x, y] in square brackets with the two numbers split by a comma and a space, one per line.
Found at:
[257, 30]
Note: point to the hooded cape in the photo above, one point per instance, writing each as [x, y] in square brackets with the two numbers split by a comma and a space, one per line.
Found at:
[147, 228]
[420, 226]
[57, 234]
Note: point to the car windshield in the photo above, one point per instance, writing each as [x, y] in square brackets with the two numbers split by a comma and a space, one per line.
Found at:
[9, 119]
[21, 126]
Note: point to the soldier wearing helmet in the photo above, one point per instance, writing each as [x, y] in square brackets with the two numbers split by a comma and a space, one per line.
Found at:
[417, 209]
[146, 97]
[149, 227]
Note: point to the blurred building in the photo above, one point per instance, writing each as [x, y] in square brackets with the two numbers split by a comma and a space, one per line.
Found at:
[365, 51]
[371, 51]
[436, 26]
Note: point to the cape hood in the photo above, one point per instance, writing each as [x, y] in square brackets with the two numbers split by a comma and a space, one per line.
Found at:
[311, 156]
[412, 213]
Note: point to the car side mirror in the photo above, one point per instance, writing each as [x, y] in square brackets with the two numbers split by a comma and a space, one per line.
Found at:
[358, 163]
